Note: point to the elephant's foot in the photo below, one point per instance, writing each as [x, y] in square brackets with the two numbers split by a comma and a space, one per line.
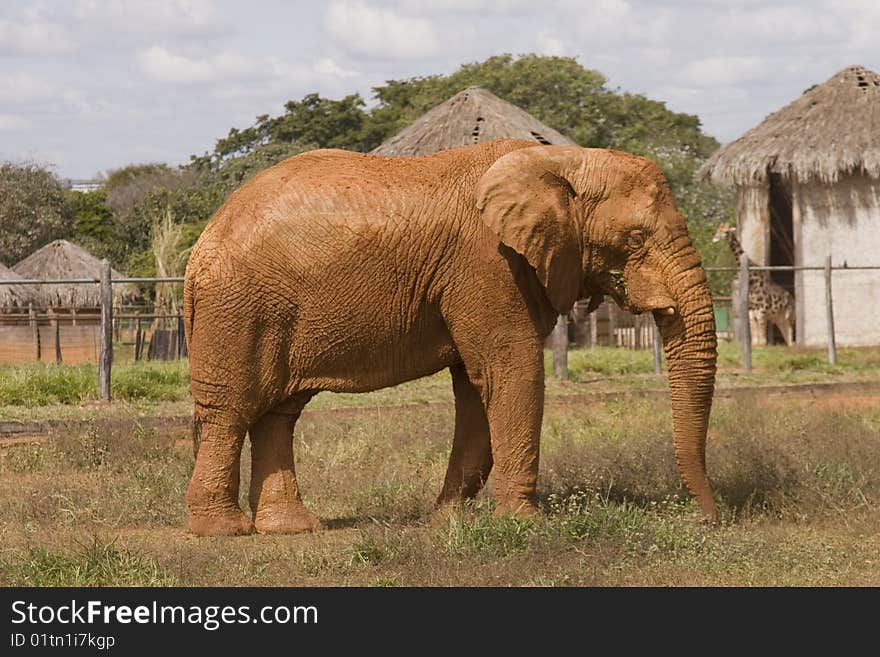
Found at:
[228, 522]
[284, 519]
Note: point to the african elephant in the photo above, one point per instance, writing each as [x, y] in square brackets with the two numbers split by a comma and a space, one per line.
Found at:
[349, 272]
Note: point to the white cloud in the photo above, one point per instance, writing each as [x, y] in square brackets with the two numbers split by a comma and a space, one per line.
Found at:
[505, 7]
[13, 123]
[168, 17]
[379, 32]
[23, 88]
[777, 25]
[549, 44]
[326, 66]
[162, 65]
[617, 22]
[35, 38]
[724, 71]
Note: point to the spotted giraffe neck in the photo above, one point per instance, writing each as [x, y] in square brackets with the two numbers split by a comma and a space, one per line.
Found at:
[736, 247]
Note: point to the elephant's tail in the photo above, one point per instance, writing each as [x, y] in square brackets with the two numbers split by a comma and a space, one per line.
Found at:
[189, 311]
[189, 308]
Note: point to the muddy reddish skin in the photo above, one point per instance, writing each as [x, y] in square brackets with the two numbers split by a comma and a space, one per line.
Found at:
[349, 272]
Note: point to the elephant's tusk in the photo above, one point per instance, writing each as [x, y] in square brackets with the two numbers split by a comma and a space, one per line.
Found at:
[668, 311]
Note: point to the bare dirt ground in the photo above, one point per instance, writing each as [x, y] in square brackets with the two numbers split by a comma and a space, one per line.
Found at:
[796, 472]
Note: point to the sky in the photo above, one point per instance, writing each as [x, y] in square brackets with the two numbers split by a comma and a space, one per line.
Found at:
[92, 85]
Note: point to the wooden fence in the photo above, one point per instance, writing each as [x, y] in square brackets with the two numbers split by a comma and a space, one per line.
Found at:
[559, 339]
[172, 341]
[43, 345]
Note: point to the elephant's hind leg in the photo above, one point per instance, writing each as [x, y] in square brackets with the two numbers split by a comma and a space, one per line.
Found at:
[274, 494]
[212, 496]
[471, 458]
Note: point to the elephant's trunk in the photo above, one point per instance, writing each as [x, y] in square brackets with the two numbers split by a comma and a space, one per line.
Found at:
[690, 343]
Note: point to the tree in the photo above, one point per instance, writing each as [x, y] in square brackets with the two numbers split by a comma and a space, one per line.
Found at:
[313, 122]
[34, 210]
[93, 223]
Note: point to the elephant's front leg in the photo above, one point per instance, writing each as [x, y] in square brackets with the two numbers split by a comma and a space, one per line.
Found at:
[471, 458]
[511, 385]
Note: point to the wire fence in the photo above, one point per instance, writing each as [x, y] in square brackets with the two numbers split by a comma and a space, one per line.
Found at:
[143, 322]
[149, 325]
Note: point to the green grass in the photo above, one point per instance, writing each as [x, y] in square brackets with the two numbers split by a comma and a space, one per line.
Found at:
[153, 383]
[480, 534]
[98, 562]
[39, 384]
[587, 364]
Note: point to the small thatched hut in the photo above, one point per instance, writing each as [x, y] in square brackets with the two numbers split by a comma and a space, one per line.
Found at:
[471, 116]
[65, 260]
[12, 296]
[808, 186]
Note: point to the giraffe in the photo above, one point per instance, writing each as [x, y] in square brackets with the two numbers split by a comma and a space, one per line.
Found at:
[767, 300]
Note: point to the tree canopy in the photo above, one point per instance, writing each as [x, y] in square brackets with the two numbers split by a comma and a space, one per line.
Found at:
[34, 210]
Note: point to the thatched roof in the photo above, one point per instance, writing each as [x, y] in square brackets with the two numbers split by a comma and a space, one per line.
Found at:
[12, 295]
[832, 129]
[471, 116]
[62, 259]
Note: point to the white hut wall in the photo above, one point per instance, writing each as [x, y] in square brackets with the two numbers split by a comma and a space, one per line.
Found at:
[840, 219]
[753, 230]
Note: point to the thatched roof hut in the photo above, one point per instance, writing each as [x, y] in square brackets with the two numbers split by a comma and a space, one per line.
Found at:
[65, 260]
[12, 296]
[471, 116]
[833, 129]
[808, 186]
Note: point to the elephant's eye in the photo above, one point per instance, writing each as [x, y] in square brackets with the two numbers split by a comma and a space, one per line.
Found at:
[635, 240]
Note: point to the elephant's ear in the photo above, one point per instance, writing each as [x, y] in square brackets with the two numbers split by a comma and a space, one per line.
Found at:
[526, 202]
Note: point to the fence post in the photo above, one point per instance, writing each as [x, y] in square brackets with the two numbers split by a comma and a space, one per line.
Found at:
[137, 336]
[744, 314]
[829, 314]
[105, 359]
[35, 329]
[56, 333]
[612, 325]
[655, 341]
[560, 348]
[594, 328]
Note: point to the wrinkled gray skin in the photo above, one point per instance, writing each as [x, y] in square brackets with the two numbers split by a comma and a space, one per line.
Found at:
[348, 272]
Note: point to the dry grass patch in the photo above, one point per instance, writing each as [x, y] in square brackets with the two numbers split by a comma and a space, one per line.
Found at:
[798, 485]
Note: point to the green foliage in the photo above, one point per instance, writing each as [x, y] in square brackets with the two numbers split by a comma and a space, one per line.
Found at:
[586, 364]
[483, 534]
[313, 122]
[41, 384]
[34, 210]
[146, 194]
[131, 174]
[582, 515]
[373, 547]
[156, 381]
[98, 563]
[93, 224]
